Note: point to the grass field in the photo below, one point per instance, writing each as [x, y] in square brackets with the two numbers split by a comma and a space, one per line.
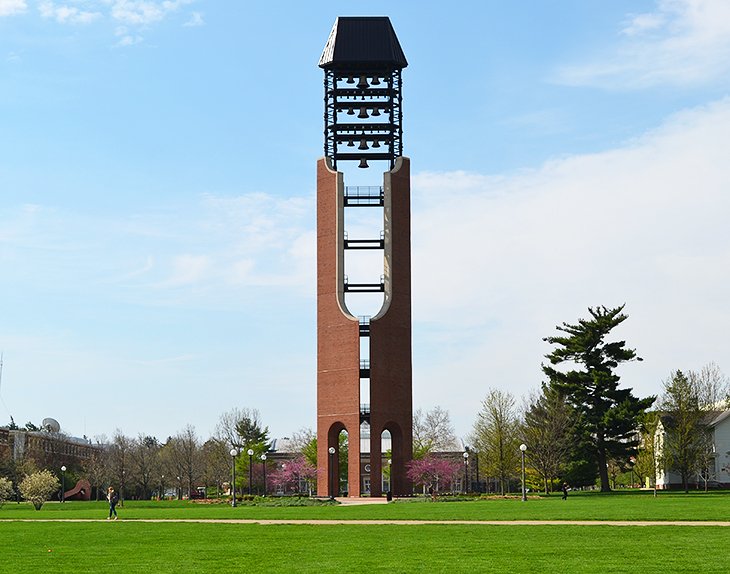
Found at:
[133, 546]
[579, 506]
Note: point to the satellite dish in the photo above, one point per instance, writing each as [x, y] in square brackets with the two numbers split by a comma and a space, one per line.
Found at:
[51, 425]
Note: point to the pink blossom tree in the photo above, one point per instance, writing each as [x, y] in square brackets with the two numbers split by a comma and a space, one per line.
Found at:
[432, 472]
[291, 472]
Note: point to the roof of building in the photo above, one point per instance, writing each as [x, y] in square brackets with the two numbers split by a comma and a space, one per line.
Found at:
[720, 417]
[361, 43]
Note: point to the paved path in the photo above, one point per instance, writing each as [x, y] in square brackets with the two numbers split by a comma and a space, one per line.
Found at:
[397, 522]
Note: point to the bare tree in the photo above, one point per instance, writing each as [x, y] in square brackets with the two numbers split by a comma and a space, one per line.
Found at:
[713, 388]
[685, 420]
[216, 463]
[186, 452]
[497, 437]
[241, 426]
[96, 469]
[119, 458]
[648, 457]
[433, 432]
[305, 441]
[547, 433]
[144, 457]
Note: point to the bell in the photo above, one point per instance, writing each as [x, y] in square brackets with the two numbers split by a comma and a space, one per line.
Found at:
[363, 115]
[375, 112]
[350, 80]
[363, 83]
[363, 163]
[351, 144]
[376, 143]
[363, 144]
[376, 81]
[351, 111]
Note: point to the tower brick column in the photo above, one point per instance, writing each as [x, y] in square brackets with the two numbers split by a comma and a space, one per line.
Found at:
[338, 340]
[390, 340]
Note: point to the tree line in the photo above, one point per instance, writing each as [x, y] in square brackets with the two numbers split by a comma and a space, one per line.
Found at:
[583, 427]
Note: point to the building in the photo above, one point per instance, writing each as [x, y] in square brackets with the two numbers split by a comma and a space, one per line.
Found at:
[46, 449]
[717, 470]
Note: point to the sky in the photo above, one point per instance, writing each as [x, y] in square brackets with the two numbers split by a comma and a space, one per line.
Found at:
[157, 200]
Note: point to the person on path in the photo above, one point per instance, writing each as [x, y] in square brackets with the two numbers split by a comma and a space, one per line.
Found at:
[565, 491]
[112, 497]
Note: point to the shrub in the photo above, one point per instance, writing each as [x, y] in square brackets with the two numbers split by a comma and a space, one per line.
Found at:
[36, 488]
[6, 490]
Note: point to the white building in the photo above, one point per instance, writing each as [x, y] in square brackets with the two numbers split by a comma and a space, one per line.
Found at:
[718, 471]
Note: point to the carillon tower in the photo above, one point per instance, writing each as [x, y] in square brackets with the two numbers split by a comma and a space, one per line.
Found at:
[363, 363]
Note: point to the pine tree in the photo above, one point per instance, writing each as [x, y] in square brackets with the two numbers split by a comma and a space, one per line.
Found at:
[609, 414]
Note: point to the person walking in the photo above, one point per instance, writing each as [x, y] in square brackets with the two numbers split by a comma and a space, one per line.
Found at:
[565, 491]
[112, 497]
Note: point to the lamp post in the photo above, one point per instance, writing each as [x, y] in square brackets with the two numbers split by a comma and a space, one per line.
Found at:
[233, 453]
[179, 489]
[250, 469]
[466, 472]
[63, 483]
[331, 450]
[632, 462]
[263, 463]
[162, 487]
[390, 476]
[523, 448]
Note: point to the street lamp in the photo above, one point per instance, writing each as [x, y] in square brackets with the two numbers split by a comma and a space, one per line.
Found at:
[233, 453]
[390, 477]
[63, 483]
[162, 487]
[632, 462]
[263, 463]
[179, 488]
[523, 448]
[331, 450]
[250, 469]
[466, 472]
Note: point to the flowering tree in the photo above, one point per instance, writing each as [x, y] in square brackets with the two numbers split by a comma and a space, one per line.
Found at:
[291, 472]
[431, 471]
[38, 487]
[6, 490]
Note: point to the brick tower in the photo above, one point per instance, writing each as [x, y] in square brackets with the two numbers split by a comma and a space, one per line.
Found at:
[363, 364]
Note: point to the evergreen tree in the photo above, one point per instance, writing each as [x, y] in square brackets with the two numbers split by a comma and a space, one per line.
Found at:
[610, 415]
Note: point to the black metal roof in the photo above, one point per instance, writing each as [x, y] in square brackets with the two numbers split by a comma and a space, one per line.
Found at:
[362, 42]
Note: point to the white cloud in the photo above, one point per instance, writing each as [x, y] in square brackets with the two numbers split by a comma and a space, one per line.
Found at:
[682, 42]
[65, 14]
[188, 269]
[143, 12]
[499, 262]
[196, 19]
[127, 38]
[11, 7]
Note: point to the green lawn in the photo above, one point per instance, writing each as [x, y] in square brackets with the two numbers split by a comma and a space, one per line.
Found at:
[154, 548]
[132, 546]
[579, 506]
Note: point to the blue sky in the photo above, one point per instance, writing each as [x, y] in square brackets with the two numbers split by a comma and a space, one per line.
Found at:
[157, 199]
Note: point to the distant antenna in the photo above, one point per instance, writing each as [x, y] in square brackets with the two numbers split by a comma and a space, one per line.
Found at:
[50, 425]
